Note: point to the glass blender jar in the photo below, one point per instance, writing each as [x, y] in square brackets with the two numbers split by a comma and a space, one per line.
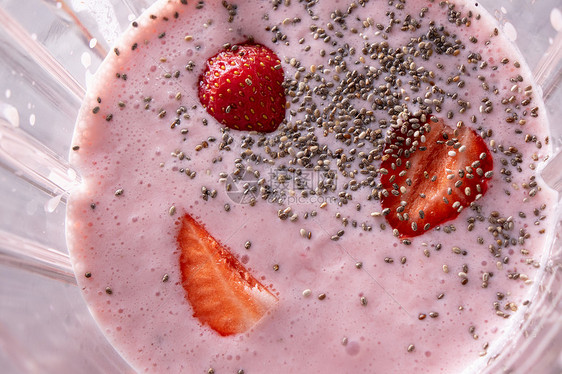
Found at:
[49, 50]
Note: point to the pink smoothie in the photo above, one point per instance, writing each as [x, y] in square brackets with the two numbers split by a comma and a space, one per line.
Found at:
[352, 297]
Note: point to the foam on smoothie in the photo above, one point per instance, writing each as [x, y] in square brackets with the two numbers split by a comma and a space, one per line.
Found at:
[300, 207]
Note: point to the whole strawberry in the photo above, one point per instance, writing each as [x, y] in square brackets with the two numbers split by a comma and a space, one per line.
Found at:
[242, 88]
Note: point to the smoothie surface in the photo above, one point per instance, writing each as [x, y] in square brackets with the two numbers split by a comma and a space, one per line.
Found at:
[300, 208]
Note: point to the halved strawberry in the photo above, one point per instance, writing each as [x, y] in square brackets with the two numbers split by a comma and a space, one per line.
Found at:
[430, 173]
[242, 88]
[221, 292]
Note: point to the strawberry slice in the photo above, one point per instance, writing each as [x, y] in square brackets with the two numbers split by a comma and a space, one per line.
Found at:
[242, 88]
[221, 292]
[430, 172]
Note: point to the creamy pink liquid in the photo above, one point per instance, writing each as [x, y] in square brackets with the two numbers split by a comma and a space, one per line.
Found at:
[123, 219]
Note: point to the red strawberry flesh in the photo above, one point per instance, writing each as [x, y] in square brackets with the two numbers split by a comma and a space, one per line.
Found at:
[221, 292]
[242, 88]
[431, 172]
